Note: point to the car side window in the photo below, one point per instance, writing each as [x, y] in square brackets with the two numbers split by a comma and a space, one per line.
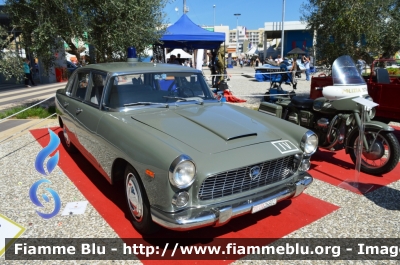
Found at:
[70, 85]
[97, 87]
[81, 85]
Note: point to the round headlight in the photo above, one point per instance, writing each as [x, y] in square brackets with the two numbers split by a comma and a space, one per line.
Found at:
[309, 143]
[182, 172]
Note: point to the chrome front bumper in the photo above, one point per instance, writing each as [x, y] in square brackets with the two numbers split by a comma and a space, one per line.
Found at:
[220, 215]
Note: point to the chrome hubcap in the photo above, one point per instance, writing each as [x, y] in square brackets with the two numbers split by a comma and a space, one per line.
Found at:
[379, 152]
[134, 197]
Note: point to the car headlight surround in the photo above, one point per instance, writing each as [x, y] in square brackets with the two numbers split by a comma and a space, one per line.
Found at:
[309, 143]
[182, 172]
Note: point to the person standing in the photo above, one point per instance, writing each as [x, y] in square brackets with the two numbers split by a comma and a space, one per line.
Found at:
[294, 69]
[28, 73]
[278, 60]
[173, 60]
[306, 61]
[179, 59]
[212, 57]
[361, 66]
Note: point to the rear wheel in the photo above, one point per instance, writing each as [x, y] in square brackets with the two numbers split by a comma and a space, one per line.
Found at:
[138, 203]
[383, 155]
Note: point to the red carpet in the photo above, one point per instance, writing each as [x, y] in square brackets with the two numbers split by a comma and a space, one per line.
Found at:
[276, 222]
[336, 167]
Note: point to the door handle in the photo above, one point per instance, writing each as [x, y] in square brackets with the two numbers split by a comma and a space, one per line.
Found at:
[78, 110]
[66, 104]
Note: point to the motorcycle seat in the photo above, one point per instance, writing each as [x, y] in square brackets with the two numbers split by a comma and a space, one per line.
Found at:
[302, 102]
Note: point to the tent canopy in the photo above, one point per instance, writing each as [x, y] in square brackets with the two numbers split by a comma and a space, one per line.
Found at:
[184, 33]
[184, 55]
[297, 51]
[252, 51]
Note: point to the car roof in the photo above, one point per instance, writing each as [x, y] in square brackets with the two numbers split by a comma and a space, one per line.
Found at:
[131, 67]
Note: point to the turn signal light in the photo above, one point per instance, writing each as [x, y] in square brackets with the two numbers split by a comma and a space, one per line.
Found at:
[149, 173]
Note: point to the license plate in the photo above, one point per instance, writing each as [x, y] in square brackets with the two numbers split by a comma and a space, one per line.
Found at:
[263, 205]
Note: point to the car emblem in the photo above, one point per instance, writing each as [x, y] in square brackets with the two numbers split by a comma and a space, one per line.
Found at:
[255, 172]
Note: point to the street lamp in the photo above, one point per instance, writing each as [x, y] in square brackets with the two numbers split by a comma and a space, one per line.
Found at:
[214, 16]
[237, 34]
[283, 31]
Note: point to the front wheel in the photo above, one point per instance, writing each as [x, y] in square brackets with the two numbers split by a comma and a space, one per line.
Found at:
[138, 203]
[383, 155]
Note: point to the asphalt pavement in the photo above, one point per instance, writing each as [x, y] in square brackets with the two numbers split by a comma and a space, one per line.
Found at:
[12, 95]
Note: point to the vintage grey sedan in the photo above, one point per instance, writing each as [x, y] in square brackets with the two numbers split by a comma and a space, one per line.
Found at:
[187, 160]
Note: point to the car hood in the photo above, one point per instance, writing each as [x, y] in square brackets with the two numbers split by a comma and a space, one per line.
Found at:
[209, 129]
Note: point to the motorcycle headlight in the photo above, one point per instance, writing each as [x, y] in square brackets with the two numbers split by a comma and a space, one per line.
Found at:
[182, 172]
[309, 143]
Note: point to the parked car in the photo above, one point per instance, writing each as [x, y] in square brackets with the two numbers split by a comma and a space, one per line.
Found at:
[187, 160]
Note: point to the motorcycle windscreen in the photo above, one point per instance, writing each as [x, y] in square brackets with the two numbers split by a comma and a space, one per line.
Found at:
[344, 72]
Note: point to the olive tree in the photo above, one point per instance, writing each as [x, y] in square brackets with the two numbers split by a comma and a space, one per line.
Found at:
[109, 26]
[362, 28]
[10, 63]
[116, 25]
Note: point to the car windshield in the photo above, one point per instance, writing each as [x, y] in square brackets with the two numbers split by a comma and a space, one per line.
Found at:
[157, 89]
[344, 72]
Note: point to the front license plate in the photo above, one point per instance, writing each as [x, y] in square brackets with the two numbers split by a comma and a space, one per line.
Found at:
[263, 205]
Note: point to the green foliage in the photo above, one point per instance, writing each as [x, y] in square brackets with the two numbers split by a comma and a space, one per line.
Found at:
[111, 26]
[32, 113]
[10, 63]
[357, 28]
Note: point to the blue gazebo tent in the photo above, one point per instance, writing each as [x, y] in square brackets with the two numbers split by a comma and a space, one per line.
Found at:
[186, 34]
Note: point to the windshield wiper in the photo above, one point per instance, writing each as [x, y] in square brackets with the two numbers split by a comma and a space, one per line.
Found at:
[146, 104]
[197, 99]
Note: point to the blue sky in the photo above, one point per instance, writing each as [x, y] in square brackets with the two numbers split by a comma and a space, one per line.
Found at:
[253, 12]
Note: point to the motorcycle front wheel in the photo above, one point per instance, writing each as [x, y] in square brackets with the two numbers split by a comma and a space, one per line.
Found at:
[383, 155]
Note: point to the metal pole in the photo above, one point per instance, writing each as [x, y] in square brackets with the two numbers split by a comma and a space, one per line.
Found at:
[283, 31]
[237, 34]
[184, 6]
[214, 16]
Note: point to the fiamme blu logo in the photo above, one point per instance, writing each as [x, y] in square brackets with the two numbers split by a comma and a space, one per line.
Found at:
[50, 165]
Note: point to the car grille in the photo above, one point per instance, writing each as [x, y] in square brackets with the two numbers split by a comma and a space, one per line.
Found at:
[239, 180]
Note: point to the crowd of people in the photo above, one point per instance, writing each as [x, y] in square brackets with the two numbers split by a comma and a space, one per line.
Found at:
[178, 60]
[217, 64]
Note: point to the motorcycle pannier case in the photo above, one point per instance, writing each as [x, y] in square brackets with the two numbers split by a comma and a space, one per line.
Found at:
[271, 108]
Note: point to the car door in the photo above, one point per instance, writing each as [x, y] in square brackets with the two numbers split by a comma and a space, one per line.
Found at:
[66, 103]
[89, 114]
